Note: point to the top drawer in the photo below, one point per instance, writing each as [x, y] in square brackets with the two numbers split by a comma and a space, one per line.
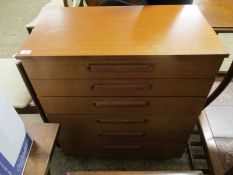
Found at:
[123, 67]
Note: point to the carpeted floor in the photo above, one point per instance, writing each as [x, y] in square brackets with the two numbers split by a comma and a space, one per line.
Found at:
[13, 17]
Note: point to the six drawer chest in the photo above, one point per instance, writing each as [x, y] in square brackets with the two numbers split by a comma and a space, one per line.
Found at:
[123, 81]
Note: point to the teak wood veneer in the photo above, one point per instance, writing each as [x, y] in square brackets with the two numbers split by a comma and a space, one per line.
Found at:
[123, 81]
[44, 137]
[136, 173]
[218, 13]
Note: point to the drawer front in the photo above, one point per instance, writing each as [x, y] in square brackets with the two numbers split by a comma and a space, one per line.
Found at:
[122, 105]
[123, 87]
[175, 128]
[158, 150]
[124, 67]
[116, 123]
[136, 136]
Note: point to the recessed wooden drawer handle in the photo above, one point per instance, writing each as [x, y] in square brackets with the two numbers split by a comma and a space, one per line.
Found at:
[121, 120]
[121, 104]
[120, 67]
[139, 134]
[112, 87]
[123, 146]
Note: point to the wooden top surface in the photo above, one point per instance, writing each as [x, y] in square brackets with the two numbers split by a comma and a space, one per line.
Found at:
[219, 13]
[134, 30]
[136, 173]
[44, 136]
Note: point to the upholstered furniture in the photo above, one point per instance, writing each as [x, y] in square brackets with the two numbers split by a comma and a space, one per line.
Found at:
[219, 142]
[216, 126]
[12, 83]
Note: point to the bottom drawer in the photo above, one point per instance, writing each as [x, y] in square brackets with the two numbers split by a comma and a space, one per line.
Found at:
[156, 150]
[133, 136]
[109, 128]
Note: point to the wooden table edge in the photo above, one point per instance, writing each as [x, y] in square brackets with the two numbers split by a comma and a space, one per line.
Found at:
[136, 173]
[56, 130]
[214, 160]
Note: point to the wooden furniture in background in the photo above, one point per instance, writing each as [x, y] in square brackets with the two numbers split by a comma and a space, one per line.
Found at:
[212, 151]
[218, 13]
[124, 84]
[98, 2]
[93, 2]
[44, 136]
[216, 127]
[137, 173]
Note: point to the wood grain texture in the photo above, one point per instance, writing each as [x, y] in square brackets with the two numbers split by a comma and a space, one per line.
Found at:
[93, 2]
[97, 2]
[123, 105]
[217, 12]
[124, 87]
[214, 158]
[44, 137]
[124, 122]
[216, 125]
[126, 137]
[159, 150]
[124, 129]
[71, 48]
[136, 173]
[220, 123]
[123, 67]
[134, 30]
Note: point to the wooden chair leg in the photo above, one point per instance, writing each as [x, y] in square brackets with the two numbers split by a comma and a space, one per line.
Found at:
[31, 91]
[81, 4]
[65, 3]
[33, 95]
[49, 172]
[27, 110]
[190, 156]
[29, 29]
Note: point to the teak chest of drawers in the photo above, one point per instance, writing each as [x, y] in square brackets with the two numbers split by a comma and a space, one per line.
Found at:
[123, 81]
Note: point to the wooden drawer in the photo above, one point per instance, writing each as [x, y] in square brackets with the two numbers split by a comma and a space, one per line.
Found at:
[123, 67]
[114, 123]
[122, 105]
[155, 150]
[124, 129]
[123, 87]
[121, 136]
